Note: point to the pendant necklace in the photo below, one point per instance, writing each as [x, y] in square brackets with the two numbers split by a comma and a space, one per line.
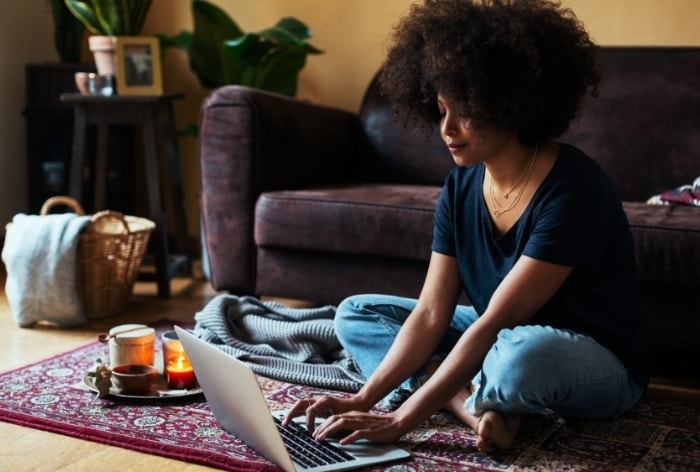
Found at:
[498, 210]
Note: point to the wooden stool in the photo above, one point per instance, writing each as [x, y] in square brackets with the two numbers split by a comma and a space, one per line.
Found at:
[147, 112]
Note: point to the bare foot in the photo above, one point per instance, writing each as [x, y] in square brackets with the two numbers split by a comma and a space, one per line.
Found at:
[496, 432]
[493, 430]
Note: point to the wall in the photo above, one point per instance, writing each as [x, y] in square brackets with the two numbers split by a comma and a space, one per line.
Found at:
[353, 38]
[26, 35]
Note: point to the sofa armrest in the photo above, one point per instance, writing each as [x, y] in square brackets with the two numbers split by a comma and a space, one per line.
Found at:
[251, 141]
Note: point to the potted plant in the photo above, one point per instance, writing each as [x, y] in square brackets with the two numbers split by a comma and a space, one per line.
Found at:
[106, 19]
[221, 53]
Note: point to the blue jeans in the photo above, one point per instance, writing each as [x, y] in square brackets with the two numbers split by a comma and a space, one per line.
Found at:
[529, 368]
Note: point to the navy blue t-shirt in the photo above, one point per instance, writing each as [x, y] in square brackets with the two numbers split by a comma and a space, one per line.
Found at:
[576, 219]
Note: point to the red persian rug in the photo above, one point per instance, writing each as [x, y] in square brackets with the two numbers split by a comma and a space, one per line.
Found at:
[656, 435]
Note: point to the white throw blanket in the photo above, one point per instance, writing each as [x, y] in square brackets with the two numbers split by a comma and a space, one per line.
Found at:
[296, 345]
[40, 257]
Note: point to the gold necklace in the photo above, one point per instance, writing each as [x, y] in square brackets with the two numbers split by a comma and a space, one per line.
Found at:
[498, 210]
[529, 164]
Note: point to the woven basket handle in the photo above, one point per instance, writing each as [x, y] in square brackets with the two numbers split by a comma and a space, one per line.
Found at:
[108, 222]
[61, 200]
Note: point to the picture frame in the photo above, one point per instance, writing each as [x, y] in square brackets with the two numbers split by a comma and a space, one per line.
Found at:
[138, 65]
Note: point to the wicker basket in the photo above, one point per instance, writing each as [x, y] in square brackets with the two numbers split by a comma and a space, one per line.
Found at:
[110, 251]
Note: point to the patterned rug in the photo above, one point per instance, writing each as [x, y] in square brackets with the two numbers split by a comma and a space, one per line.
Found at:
[658, 435]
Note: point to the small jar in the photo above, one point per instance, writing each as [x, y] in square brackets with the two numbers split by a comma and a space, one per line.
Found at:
[131, 344]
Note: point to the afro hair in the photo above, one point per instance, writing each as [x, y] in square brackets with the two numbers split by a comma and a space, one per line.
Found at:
[522, 65]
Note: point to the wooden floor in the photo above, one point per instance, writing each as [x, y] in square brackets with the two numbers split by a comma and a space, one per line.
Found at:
[25, 449]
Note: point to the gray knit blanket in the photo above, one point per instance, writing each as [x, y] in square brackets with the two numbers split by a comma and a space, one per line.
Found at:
[40, 255]
[296, 345]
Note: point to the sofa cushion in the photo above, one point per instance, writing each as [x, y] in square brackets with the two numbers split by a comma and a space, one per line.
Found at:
[667, 240]
[387, 220]
[391, 220]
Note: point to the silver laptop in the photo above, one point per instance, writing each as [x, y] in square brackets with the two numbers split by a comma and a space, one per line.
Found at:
[239, 406]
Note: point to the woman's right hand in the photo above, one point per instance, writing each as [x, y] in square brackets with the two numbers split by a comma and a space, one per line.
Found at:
[324, 406]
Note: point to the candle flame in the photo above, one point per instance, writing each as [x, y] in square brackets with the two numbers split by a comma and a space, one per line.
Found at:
[180, 363]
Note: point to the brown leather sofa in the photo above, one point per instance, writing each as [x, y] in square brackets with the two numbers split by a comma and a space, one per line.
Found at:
[309, 202]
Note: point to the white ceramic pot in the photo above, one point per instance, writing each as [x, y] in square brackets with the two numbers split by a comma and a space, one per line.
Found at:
[102, 48]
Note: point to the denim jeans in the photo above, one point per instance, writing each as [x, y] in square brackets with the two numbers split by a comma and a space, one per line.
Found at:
[529, 368]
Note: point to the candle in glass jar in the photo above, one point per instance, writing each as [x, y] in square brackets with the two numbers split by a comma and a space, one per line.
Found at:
[172, 347]
[179, 373]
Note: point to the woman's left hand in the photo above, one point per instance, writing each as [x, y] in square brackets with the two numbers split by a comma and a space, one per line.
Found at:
[383, 428]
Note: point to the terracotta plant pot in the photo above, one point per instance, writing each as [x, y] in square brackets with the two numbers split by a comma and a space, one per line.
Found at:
[102, 48]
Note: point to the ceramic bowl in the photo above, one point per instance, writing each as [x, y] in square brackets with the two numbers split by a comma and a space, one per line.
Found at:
[134, 379]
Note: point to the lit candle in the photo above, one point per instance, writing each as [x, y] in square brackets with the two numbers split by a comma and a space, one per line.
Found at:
[179, 373]
[172, 347]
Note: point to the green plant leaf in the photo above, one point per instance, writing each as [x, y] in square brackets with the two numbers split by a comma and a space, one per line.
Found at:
[138, 9]
[246, 52]
[288, 30]
[111, 17]
[242, 46]
[86, 14]
[212, 26]
[280, 71]
[68, 31]
[182, 40]
[292, 32]
[221, 53]
[296, 28]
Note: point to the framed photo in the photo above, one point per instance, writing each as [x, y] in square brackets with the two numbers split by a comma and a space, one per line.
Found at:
[138, 68]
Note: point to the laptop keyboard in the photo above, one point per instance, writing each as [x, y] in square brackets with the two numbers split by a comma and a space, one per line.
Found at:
[305, 450]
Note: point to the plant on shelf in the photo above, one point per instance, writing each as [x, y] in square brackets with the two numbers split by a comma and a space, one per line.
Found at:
[110, 17]
[221, 53]
[106, 19]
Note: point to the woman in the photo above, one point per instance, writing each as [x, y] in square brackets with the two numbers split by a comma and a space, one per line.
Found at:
[530, 229]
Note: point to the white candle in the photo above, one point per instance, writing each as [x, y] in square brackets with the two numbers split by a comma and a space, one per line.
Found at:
[172, 347]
